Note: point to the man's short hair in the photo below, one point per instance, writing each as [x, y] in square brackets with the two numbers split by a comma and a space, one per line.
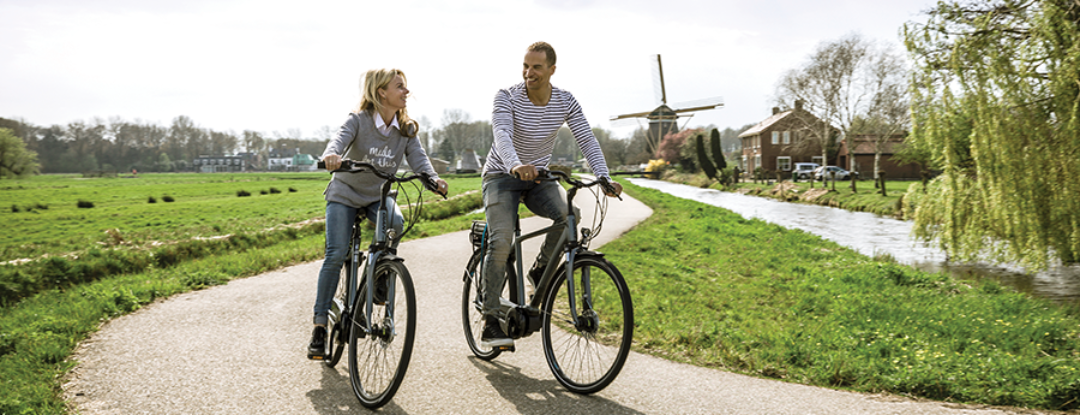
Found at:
[546, 48]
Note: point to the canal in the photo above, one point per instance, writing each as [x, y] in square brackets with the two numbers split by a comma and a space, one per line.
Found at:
[871, 235]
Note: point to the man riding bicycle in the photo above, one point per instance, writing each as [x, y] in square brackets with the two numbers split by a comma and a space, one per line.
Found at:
[525, 120]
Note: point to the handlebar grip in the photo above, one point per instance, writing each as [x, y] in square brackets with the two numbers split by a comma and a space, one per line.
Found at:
[322, 164]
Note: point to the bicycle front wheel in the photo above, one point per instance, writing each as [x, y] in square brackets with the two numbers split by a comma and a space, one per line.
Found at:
[378, 359]
[586, 352]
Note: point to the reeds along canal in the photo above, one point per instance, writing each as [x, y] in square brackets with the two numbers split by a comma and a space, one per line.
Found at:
[871, 235]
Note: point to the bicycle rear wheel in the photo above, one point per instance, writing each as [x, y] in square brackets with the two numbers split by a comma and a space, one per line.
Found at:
[472, 319]
[379, 359]
[585, 354]
[335, 342]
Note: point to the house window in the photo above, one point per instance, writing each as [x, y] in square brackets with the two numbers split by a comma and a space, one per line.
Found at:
[817, 159]
[776, 137]
[783, 163]
[757, 162]
[787, 137]
[742, 163]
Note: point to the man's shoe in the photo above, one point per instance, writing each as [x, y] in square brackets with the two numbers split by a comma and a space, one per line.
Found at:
[535, 274]
[317, 347]
[493, 335]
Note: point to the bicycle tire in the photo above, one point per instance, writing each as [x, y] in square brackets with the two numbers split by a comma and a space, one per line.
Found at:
[472, 319]
[379, 360]
[587, 355]
[335, 342]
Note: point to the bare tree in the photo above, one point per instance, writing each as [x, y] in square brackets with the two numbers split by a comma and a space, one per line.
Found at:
[844, 80]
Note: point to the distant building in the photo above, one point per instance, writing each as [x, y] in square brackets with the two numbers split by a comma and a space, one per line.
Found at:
[469, 163]
[220, 164]
[778, 142]
[441, 166]
[864, 157]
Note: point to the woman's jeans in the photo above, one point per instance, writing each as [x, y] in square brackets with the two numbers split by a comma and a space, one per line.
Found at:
[502, 192]
[339, 225]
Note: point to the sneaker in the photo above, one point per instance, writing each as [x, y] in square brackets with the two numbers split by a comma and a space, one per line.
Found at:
[535, 274]
[317, 347]
[493, 335]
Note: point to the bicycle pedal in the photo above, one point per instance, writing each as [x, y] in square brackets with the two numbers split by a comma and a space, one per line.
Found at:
[316, 357]
[506, 349]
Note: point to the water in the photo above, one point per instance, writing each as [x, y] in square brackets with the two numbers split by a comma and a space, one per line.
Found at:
[871, 235]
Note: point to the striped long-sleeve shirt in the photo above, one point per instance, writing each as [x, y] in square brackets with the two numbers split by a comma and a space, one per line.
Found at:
[525, 133]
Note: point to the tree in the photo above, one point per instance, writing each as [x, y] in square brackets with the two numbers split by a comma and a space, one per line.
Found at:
[703, 157]
[994, 104]
[717, 151]
[15, 159]
[839, 84]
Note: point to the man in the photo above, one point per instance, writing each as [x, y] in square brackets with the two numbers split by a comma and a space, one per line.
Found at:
[525, 120]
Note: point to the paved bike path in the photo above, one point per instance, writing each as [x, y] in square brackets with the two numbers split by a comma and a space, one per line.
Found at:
[240, 349]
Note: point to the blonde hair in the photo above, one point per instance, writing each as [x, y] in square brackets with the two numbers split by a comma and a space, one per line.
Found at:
[377, 79]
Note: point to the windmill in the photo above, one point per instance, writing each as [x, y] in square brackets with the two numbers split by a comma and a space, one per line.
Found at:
[664, 119]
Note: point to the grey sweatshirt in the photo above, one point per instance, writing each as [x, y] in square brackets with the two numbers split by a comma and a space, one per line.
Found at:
[370, 146]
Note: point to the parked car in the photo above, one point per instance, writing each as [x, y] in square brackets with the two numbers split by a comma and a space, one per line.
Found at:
[828, 171]
[803, 171]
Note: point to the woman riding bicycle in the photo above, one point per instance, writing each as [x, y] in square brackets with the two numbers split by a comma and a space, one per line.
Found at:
[378, 132]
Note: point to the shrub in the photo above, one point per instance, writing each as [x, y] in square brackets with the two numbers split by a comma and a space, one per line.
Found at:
[263, 192]
[167, 199]
[151, 200]
[292, 190]
[85, 204]
[242, 193]
[274, 190]
[15, 209]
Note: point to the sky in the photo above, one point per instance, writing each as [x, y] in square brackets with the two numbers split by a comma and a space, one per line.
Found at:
[275, 66]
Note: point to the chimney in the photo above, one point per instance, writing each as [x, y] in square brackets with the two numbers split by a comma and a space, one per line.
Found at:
[798, 105]
[775, 110]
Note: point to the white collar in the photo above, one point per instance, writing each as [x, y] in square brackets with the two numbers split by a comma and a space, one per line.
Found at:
[381, 125]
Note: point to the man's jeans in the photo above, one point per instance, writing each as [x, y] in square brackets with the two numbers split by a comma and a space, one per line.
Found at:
[339, 224]
[502, 192]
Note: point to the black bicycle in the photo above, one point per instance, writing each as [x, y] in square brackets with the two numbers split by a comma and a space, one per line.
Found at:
[375, 313]
[581, 303]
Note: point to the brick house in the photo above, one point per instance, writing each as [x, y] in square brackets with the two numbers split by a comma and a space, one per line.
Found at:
[777, 143]
[864, 157]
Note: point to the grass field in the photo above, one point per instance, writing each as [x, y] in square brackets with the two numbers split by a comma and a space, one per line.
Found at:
[40, 214]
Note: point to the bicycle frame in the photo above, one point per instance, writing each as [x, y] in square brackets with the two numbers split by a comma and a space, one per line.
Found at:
[568, 245]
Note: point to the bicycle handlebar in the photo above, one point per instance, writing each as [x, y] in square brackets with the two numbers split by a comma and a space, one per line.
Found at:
[560, 175]
[352, 166]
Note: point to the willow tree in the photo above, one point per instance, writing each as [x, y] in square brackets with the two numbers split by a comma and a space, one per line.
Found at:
[995, 99]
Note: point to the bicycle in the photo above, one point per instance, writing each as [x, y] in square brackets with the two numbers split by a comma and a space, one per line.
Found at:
[380, 333]
[585, 350]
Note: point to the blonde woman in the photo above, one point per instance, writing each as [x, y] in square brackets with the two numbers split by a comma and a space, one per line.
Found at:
[379, 132]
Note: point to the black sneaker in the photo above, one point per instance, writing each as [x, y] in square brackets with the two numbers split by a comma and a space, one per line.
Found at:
[317, 347]
[493, 335]
[535, 274]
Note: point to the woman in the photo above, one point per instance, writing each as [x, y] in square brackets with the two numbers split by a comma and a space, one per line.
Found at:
[379, 132]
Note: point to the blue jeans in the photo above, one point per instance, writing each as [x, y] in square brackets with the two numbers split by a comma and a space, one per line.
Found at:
[339, 224]
[502, 192]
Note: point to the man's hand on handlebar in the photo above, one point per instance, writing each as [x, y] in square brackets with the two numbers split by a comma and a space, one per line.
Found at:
[525, 172]
[614, 191]
[441, 187]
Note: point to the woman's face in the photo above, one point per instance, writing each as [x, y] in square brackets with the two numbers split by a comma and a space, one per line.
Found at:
[395, 94]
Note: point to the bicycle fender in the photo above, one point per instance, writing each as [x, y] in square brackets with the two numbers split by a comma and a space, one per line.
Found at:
[391, 257]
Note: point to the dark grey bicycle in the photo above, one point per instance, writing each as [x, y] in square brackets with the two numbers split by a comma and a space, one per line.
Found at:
[375, 314]
[581, 303]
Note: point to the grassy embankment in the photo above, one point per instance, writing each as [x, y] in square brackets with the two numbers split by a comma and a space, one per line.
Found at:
[76, 288]
[710, 288]
[866, 198]
[714, 289]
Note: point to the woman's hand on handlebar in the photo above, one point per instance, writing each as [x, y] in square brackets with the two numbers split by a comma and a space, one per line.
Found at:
[441, 187]
[333, 162]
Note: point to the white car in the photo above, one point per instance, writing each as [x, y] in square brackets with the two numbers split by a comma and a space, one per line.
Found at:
[841, 174]
[803, 171]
